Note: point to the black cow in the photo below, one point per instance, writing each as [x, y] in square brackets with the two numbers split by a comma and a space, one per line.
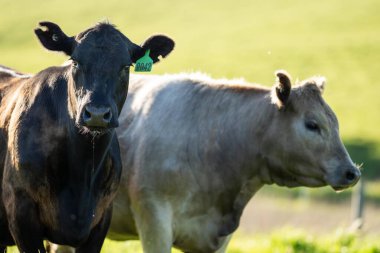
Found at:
[59, 156]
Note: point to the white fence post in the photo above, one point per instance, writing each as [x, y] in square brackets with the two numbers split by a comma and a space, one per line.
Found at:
[357, 206]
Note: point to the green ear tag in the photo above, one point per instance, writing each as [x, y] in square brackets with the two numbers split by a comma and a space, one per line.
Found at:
[145, 63]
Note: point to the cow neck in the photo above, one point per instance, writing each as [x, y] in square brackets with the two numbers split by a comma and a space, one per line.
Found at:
[237, 134]
[242, 125]
[93, 150]
[259, 121]
[95, 165]
[271, 168]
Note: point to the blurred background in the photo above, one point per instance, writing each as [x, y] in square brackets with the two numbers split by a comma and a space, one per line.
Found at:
[251, 39]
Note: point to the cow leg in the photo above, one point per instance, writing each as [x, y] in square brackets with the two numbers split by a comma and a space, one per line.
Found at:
[6, 237]
[65, 249]
[24, 223]
[154, 225]
[55, 248]
[95, 241]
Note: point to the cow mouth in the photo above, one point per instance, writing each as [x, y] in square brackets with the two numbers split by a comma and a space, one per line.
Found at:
[94, 131]
[312, 180]
[292, 178]
[98, 131]
[342, 187]
[339, 188]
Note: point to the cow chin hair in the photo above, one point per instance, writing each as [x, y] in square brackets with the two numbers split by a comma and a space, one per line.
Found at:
[94, 133]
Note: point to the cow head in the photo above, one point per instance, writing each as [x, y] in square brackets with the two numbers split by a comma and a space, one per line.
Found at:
[303, 140]
[98, 77]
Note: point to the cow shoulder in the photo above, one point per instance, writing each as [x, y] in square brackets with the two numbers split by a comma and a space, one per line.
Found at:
[36, 126]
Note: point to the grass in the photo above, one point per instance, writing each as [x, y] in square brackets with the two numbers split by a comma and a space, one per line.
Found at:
[294, 241]
[286, 240]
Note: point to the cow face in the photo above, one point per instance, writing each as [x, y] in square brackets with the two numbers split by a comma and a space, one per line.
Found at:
[98, 76]
[307, 150]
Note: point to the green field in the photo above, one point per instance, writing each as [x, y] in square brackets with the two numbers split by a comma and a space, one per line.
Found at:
[244, 38]
[282, 241]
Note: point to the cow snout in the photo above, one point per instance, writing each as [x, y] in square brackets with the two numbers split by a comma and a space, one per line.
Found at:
[97, 116]
[345, 178]
[353, 176]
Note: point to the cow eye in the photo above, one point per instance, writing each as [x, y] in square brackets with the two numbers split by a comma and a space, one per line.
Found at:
[75, 64]
[312, 126]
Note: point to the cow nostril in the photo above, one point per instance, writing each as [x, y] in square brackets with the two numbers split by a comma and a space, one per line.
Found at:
[107, 116]
[351, 176]
[86, 115]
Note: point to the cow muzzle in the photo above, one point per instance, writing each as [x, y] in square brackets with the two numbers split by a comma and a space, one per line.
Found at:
[95, 117]
[348, 178]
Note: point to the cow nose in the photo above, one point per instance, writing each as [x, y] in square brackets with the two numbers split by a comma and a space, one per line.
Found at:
[353, 175]
[96, 116]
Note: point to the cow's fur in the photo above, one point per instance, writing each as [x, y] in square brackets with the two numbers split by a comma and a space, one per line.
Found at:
[195, 150]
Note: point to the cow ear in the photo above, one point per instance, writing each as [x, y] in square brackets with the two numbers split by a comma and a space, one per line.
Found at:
[159, 45]
[53, 38]
[282, 88]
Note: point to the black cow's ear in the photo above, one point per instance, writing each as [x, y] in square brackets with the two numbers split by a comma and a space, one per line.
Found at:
[283, 87]
[53, 38]
[159, 45]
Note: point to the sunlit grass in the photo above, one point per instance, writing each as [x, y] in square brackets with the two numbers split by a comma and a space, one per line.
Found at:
[286, 240]
[295, 241]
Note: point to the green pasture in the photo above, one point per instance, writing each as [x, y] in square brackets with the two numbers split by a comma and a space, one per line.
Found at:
[286, 240]
[244, 38]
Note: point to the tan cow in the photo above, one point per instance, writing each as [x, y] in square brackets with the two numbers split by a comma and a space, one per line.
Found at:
[195, 151]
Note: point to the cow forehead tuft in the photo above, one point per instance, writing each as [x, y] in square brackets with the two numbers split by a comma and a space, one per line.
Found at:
[99, 27]
[102, 34]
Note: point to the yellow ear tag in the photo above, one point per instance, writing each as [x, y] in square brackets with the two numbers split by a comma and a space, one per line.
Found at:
[145, 63]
